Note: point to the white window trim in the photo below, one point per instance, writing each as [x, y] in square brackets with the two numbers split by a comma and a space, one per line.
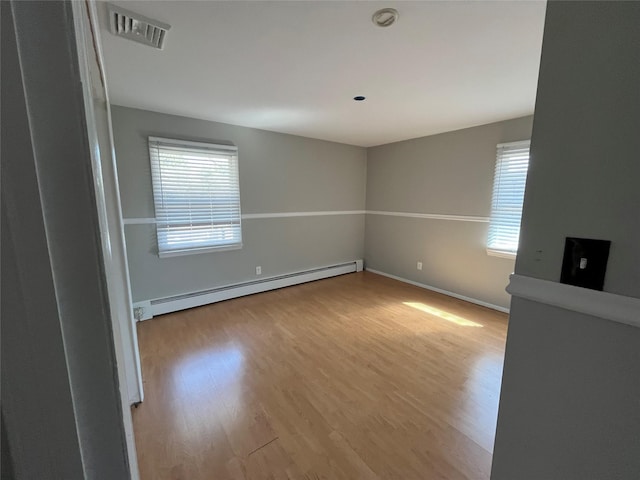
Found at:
[177, 141]
[204, 249]
[501, 253]
[194, 251]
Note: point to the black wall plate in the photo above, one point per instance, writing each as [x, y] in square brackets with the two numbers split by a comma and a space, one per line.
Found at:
[585, 262]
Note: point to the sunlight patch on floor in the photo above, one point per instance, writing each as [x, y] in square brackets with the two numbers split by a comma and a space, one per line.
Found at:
[450, 317]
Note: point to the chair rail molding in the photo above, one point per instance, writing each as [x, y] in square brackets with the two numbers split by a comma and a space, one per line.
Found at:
[605, 305]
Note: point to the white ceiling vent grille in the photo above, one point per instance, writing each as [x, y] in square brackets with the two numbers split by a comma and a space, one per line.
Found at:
[127, 24]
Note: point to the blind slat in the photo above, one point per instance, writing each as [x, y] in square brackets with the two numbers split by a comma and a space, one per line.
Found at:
[196, 194]
[509, 181]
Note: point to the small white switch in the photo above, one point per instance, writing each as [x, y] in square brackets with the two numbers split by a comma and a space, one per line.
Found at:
[419, 266]
[583, 263]
[258, 270]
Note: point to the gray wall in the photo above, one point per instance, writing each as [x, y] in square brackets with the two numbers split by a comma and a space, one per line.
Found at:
[450, 173]
[60, 402]
[570, 405]
[278, 173]
[32, 352]
[583, 178]
[570, 397]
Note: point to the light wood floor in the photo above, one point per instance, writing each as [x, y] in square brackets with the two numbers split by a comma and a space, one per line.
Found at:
[354, 377]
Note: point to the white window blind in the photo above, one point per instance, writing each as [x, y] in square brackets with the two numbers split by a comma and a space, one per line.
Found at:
[197, 196]
[508, 195]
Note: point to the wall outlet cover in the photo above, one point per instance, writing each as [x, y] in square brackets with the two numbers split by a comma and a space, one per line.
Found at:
[142, 311]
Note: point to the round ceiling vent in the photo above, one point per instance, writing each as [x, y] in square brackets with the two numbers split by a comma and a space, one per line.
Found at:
[385, 17]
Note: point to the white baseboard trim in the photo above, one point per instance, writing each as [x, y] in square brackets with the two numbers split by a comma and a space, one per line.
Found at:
[608, 306]
[181, 302]
[439, 290]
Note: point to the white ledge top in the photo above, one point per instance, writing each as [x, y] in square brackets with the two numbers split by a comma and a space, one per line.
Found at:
[609, 306]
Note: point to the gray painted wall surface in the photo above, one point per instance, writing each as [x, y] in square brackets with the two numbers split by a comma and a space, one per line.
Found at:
[278, 173]
[452, 253]
[450, 173]
[583, 178]
[278, 245]
[60, 400]
[570, 407]
[570, 401]
[39, 436]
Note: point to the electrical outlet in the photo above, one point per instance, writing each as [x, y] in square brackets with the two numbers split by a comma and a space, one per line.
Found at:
[258, 270]
[138, 313]
[419, 266]
[142, 311]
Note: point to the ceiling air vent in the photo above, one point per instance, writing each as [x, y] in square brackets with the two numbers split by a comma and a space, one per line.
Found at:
[126, 24]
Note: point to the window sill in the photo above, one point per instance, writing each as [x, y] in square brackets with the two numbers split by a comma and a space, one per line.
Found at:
[194, 251]
[501, 254]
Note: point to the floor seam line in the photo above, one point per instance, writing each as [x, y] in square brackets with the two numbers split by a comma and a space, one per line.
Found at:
[254, 451]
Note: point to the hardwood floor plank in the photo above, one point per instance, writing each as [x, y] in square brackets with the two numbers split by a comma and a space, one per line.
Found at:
[354, 377]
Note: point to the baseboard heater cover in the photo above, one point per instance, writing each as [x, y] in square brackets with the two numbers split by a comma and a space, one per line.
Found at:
[181, 302]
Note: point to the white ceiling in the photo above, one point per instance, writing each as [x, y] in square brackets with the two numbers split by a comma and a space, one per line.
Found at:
[294, 67]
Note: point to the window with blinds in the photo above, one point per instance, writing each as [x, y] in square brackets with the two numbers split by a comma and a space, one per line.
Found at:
[197, 196]
[508, 196]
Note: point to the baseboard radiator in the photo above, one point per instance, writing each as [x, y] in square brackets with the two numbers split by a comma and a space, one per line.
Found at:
[197, 299]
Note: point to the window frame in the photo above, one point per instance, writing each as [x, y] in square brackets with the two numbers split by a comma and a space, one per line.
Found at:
[500, 252]
[156, 177]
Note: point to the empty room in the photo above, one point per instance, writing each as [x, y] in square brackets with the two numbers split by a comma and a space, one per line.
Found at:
[321, 240]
